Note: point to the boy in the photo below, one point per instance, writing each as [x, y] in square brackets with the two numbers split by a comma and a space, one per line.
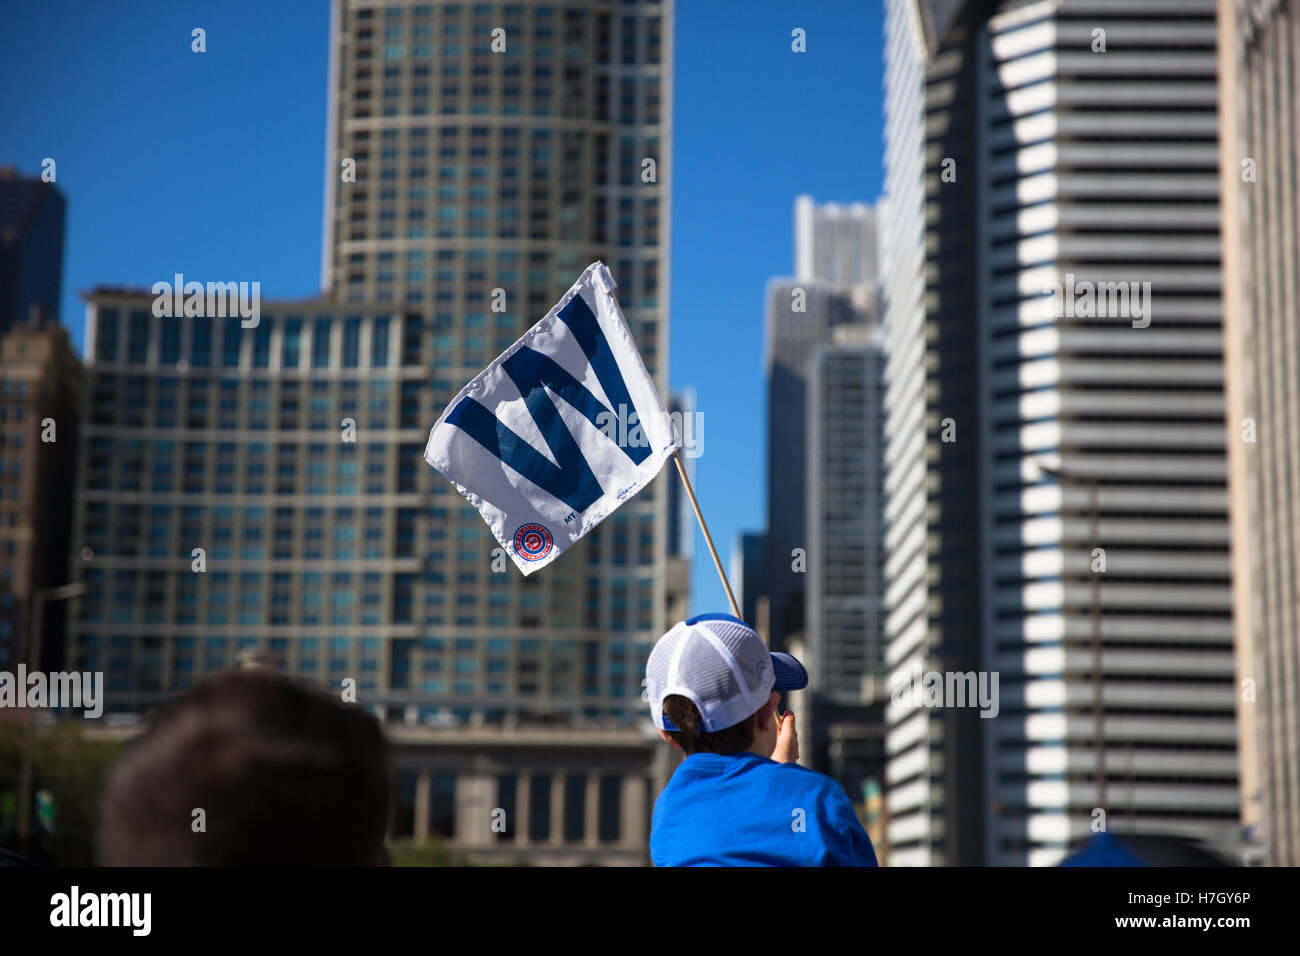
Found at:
[712, 689]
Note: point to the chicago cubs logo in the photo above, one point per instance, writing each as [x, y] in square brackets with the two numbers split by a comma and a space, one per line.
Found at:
[533, 542]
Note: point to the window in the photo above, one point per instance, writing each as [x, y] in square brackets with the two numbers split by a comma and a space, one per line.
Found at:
[320, 344]
[291, 343]
[351, 343]
[379, 344]
[106, 336]
[230, 339]
[137, 343]
[262, 344]
[201, 345]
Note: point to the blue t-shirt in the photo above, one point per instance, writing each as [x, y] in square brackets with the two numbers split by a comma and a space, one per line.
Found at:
[746, 810]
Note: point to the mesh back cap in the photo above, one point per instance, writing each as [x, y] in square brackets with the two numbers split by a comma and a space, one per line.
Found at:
[720, 664]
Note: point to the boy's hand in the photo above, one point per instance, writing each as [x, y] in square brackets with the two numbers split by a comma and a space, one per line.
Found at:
[787, 741]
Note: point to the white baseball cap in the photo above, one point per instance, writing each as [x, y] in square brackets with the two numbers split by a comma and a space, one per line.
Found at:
[721, 664]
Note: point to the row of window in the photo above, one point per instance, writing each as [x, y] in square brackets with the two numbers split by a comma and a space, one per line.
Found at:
[195, 339]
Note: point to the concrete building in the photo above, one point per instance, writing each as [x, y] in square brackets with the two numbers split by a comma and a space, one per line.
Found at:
[1259, 77]
[1060, 163]
[40, 404]
[530, 796]
[1108, 610]
[845, 514]
[835, 243]
[834, 286]
[934, 796]
[31, 248]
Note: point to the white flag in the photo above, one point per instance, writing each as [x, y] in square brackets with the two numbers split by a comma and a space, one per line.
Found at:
[561, 429]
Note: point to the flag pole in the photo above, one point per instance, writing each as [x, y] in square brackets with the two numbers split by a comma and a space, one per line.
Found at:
[708, 538]
[699, 516]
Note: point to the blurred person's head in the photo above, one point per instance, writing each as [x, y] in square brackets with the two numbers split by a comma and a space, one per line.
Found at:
[283, 775]
[713, 686]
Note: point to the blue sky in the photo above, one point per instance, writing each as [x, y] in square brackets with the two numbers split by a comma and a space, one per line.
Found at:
[213, 164]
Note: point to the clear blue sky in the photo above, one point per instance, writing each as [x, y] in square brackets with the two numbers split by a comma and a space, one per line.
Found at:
[213, 164]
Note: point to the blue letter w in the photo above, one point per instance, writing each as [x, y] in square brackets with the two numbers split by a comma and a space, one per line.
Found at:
[573, 481]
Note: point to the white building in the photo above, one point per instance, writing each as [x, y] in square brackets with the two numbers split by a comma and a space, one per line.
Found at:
[1084, 135]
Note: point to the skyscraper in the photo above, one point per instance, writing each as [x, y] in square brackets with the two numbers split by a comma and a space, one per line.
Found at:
[841, 717]
[845, 513]
[31, 248]
[498, 149]
[1259, 75]
[834, 286]
[934, 795]
[835, 243]
[1072, 211]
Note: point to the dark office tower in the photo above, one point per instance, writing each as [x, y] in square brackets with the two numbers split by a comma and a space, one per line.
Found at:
[1259, 77]
[31, 248]
[748, 563]
[833, 286]
[40, 398]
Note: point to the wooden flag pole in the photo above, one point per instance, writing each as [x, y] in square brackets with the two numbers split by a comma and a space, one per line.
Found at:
[699, 516]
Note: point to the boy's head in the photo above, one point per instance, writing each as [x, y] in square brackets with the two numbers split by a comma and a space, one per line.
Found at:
[710, 682]
[284, 776]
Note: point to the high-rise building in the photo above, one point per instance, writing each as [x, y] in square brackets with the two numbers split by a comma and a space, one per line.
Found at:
[835, 243]
[1259, 75]
[934, 795]
[835, 259]
[841, 716]
[31, 248]
[499, 149]
[479, 157]
[1068, 157]
[40, 402]
[748, 562]
[844, 514]
[1108, 609]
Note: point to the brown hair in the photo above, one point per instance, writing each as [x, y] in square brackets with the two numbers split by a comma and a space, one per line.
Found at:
[284, 775]
[693, 739]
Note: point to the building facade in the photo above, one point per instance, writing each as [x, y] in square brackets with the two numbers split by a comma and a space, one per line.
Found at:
[934, 798]
[40, 405]
[1069, 276]
[1259, 76]
[845, 514]
[834, 286]
[1108, 610]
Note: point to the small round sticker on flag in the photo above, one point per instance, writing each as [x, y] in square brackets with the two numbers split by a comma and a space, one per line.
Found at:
[532, 542]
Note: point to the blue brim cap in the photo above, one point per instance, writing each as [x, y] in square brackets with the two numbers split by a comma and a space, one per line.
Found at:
[789, 673]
